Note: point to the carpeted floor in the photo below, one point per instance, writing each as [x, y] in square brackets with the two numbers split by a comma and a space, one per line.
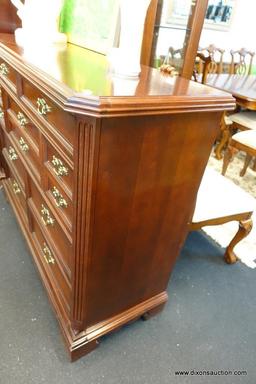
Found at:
[208, 324]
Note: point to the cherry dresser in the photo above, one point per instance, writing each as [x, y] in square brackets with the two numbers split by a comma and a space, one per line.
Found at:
[102, 174]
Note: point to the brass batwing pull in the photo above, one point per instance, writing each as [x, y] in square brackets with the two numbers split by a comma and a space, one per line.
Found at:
[59, 199]
[3, 69]
[1, 113]
[42, 107]
[59, 167]
[16, 188]
[12, 154]
[46, 217]
[23, 145]
[48, 255]
[22, 119]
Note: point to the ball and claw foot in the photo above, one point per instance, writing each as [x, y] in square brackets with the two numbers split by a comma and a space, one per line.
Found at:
[245, 227]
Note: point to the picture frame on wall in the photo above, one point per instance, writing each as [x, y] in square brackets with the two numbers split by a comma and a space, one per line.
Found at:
[94, 25]
[219, 13]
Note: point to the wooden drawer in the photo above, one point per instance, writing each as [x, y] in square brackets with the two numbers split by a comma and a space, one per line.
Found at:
[49, 112]
[1, 100]
[59, 168]
[26, 149]
[18, 195]
[1, 107]
[8, 74]
[60, 200]
[57, 235]
[19, 118]
[1, 111]
[51, 265]
[14, 162]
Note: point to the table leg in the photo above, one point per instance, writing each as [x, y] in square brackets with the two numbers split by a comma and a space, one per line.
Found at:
[245, 227]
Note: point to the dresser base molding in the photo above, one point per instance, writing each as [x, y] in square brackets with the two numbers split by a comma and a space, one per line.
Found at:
[81, 343]
[86, 341]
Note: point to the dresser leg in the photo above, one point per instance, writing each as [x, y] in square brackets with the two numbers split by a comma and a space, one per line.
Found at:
[152, 312]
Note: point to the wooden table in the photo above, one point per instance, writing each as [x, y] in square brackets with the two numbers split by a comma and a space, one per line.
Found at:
[243, 88]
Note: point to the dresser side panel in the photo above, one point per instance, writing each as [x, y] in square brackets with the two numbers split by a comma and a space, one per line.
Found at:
[148, 176]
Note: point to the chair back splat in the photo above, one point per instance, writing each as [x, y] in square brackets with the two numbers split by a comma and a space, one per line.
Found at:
[202, 67]
[241, 62]
[216, 55]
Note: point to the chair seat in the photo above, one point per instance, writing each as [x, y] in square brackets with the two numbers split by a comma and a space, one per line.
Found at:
[228, 121]
[247, 138]
[246, 118]
[219, 197]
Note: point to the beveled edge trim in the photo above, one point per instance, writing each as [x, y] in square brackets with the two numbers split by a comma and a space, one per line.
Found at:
[98, 106]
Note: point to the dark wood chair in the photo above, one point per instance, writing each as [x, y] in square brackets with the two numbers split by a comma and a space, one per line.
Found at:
[175, 57]
[241, 61]
[219, 201]
[242, 120]
[242, 141]
[172, 62]
[202, 67]
[216, 55]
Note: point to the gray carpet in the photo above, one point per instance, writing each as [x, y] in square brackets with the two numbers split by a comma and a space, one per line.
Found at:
[209, 324]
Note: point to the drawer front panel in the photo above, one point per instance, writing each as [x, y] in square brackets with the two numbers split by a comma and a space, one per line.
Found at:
[18, 194]
[52, 228]
[49, 112]
[52, 266]
[60, 169]
[20, 119]
[27, 150]
[60, 201]
[8, 74]
[13, 160]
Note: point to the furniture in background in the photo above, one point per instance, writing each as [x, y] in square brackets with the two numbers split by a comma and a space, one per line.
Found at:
[241, 62]
[216, 55]
[201, 68]
[191, 28]
[243, 88]
[9, 20]
[175, 57]
[219, 201]
[242, 141]
[102, 175]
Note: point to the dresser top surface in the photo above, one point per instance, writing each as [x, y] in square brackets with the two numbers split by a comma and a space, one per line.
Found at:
[83, 77]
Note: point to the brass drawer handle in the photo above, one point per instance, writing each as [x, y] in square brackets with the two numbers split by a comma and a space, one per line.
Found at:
[3, 69]
[48, 255]
[59, 167]
[46, 217]
[22, 119]
[58, 198]
[23, 145]
[42, 107]
[16, 188]
[1, 113]
[12, 154]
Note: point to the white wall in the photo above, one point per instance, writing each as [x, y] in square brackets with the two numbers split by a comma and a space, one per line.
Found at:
[242, 32]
